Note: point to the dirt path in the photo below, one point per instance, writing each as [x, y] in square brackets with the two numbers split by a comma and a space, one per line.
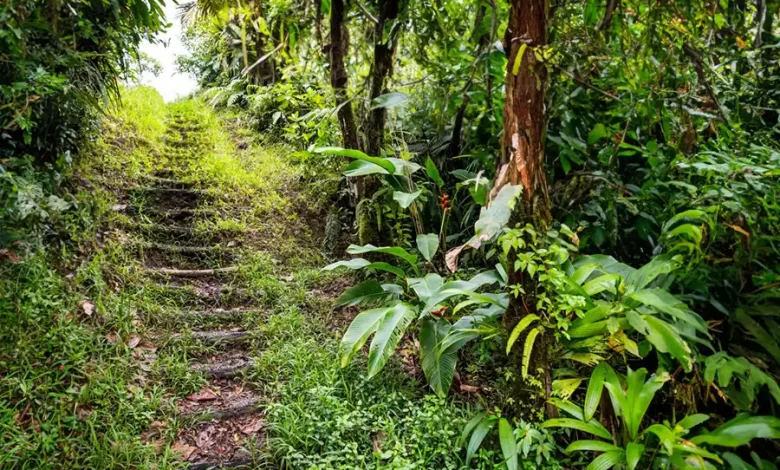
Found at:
[197, 319]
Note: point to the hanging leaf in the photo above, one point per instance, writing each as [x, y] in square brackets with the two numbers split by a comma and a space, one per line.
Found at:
[358, 155]
[390, 250]
[528, 349]
[363, 326]
[388, 333]
[389, 100]
[366, 293]
[433, 172]
[439, 369]
[405, 199]
[518, 329]
[362, 168]
[425, 287]
[428, 245]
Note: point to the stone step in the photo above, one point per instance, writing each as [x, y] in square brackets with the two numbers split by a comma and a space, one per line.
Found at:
[184, 249]
[226, 368]
[191, 273]
[236, 408]
[167, 182]
[188, 296]
[240, 462]
[214, 337]
[162, 191]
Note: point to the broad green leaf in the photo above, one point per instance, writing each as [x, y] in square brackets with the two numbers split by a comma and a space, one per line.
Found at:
[607, 282]
[593, 427]
[471, 425]
[366, 293]
[693, 420]
[634, 453]
[662, 335]
[389, 100]
[606, 461]
[428, 245]
[659, 265]
[741, 430]
[355, 263]
[736, 462]
[597, 133]
[565, 388]
[388, 334]
[595, 387]
[582, 273]
[591, 445]
[694, 216]
[363, 326]
[667, 303]
[518, 329]
[433, 172]
[403, 167]
[358, 155]
[477, 437]
[439, 369]
[506, 438]
[390, 250]
[567, 406]
[425, 287]
[361, 168]
[359, 263]
[405, 199]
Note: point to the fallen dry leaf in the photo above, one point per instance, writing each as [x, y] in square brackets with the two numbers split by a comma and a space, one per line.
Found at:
[252, 427]
[87, 307]
[12, 257]
[186, 451]
[203, 440]
[469, 388]
[203, 395]
[118, 207]
[133, 341]
[112, 338]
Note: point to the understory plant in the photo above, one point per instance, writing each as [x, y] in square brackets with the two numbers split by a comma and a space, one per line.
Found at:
[449, 311]
[626, 443]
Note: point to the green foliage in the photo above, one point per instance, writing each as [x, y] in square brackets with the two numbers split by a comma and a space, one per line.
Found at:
[632, 444]
[59, 63]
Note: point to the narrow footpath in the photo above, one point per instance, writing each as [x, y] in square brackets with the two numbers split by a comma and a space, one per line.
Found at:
[197, 309]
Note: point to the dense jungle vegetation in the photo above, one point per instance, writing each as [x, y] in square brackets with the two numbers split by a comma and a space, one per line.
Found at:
[449, 234]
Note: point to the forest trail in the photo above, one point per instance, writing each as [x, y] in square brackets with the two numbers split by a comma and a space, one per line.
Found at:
[199, 318]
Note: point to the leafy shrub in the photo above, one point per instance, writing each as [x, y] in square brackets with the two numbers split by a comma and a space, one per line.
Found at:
[58, 63]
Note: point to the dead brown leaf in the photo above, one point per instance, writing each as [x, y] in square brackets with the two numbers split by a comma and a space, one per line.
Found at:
[186, 451]
[133, 341]
[12, 257]
[87, 307]
[469, 388]
[203, 395]
[112, 338]
[252, 427]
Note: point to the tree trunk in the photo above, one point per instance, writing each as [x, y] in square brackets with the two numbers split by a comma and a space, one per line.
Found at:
[523, 150]
[381, 70]
[339, 42]
[524, 112]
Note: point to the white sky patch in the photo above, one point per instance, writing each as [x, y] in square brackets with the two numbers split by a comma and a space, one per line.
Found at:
[170, 84]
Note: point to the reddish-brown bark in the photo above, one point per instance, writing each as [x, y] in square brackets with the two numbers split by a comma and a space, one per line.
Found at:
[524, 112]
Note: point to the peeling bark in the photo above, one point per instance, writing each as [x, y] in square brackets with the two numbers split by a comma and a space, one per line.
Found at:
[524, 109]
